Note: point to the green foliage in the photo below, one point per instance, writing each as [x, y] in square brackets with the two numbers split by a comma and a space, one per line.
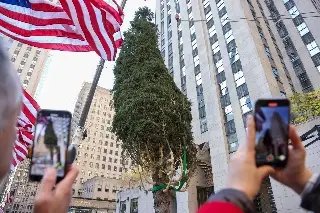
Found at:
[153, 118]
[305, 106]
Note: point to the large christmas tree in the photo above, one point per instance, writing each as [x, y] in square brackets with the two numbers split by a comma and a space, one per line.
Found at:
[153, 118]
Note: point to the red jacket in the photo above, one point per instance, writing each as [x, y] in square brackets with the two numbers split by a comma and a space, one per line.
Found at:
[228, 201]
[219, 206]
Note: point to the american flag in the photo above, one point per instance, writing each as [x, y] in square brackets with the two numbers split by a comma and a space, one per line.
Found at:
[25, 129]
[76, 25]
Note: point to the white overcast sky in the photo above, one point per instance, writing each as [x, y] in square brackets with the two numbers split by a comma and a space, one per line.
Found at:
[67, 70]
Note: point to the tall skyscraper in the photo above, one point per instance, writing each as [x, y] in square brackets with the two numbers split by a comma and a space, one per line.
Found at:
[224, 55]
[99, 155]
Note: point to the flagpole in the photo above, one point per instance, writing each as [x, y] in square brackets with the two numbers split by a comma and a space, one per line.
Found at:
[85, 110]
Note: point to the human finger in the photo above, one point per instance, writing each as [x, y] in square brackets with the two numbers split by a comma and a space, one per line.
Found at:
[251, 134]
[295, 138]
[48, 181]
[68, 180]
[264, 171]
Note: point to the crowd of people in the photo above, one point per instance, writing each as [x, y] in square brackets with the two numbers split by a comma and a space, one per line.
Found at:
[243, 181]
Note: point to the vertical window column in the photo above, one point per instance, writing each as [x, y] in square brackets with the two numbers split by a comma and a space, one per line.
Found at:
[169, 30]
[304, 32]
[163, 51]
[267, 50]
[197, 72]
[290, 48]
[240, 82]
[225, 101]
[181, 52]
[276, 46]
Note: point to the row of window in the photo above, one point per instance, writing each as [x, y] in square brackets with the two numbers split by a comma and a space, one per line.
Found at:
[101, 134]
[100, 151]
[103, 166]
[197, 72]
[104, 158]
[290, 48]
[304, 32]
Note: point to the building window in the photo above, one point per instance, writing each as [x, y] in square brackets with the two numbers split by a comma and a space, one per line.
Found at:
[134, 205]
[275, 72]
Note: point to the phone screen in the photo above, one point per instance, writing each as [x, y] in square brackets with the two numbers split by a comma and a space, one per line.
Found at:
[272, 119]
[50, 144]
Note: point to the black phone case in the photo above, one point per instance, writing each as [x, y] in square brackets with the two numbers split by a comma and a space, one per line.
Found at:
[38, 178]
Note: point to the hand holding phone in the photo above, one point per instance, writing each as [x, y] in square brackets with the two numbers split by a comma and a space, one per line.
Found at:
[50, 145]
[272, 119]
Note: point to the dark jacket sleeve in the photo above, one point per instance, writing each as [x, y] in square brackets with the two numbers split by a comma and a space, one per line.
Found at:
[311, 198]
[235, 197]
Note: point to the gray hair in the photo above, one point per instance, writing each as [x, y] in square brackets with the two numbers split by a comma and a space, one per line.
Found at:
[10, 88]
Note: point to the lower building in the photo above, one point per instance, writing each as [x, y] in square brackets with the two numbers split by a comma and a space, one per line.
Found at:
[83, 205]
[134, 201]
[101, 188]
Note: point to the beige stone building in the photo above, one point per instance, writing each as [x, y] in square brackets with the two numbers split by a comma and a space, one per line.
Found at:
[29, 63]
[224, 55]
[99, 155]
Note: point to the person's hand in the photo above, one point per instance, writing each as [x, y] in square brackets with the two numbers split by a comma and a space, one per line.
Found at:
[55, 200]
[295, 175]
[243, 172]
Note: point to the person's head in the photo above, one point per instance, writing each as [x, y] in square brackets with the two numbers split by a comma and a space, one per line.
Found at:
[10, 106]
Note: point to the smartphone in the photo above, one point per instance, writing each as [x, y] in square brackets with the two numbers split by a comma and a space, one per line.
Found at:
[50, 144]
[272, 120]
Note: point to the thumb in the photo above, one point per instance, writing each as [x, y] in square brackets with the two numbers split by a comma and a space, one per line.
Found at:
[264, 171]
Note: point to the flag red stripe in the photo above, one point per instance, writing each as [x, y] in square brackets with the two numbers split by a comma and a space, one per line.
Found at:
[19, 158]
[107, 7]
[112, 29]
[29, 115]
[33, 20]
[42, 32]
[45, 7]
[22, 151]
[80, 16]
[31, 100]
[53, 46]
[107, 26]
[96, 29]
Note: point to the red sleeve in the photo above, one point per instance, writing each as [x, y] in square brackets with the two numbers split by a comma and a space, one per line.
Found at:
[217, 207]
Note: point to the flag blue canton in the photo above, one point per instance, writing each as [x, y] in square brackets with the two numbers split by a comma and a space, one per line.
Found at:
[21, 3]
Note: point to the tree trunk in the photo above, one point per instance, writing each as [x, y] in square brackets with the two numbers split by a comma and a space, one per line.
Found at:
[58, 154]
[51, 154]
[164, 202]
